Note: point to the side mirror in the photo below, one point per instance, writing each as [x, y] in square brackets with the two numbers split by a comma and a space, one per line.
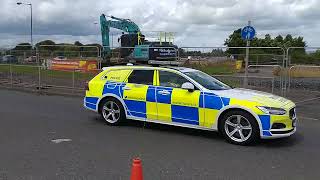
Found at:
[188, 86]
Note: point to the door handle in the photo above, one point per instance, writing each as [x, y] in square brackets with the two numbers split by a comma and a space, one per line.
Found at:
[126, 88]
[164, 92]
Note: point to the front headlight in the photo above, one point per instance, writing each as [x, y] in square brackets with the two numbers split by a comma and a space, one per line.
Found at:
[272, 110]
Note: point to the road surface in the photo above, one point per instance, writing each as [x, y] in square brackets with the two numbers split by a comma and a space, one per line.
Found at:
[54, 137]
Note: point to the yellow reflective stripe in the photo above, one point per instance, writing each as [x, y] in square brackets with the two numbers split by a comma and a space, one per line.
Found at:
[151, 110]
[202, 118]
[183, 97]
[96, 88]
[137, 92]
[156, 78]
[164, 112]
[207, 117]
[281, 119]
[248, 104]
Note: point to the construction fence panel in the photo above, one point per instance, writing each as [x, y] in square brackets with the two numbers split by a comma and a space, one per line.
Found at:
[266, 84]
[5, 75]
[21, 54]
[16, 75]
[303, 73]
[48, 53]
[141, 54]
[264, 65]
[81, 78]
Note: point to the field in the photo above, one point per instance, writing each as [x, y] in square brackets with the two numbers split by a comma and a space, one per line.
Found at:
[34, 70]
[223, 67]
[299, 71]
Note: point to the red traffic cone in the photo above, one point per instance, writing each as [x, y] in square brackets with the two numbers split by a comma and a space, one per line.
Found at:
[136, 170]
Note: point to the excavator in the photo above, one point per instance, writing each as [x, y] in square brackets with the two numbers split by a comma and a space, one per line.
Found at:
[134, 46]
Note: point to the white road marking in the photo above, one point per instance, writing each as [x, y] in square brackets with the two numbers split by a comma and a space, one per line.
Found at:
[307, 100]
[60, 140]
[303, 117]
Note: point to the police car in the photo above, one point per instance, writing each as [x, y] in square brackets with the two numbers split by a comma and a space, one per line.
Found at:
[190, 98]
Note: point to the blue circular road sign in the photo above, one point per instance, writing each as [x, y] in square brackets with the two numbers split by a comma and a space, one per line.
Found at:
[248, 33]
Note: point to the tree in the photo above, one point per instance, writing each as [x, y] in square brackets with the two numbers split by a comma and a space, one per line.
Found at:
[235, 40]
[22, 47]
[77, 43]
[278, 41]
[217, 52]
[46, 45]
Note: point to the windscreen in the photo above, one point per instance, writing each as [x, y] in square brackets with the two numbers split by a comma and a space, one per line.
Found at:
[206, 80]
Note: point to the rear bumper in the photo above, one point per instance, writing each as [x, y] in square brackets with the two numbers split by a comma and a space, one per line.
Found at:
[90, 103]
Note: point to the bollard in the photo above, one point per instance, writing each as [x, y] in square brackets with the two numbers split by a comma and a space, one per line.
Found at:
[11, 75]
[73, 80]
[39, 79]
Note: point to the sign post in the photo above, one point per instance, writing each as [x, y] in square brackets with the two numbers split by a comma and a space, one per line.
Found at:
[247, 33]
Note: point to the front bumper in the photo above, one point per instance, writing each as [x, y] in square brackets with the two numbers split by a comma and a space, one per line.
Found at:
[280, 134]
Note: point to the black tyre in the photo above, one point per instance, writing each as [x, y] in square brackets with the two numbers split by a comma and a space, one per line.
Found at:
[112, 111]
[239, 127]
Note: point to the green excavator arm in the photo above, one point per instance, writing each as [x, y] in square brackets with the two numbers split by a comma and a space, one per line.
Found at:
[125, 25]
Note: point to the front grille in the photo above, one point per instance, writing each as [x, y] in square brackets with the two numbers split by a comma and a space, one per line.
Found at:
[292, 113]
[278, 126]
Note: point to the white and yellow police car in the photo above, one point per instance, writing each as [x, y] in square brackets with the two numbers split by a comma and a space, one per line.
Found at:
[190, 98]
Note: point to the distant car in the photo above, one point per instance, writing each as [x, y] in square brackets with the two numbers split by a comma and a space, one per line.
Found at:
[189, 98]
[60, 58]
[9, 59]
[30, 59]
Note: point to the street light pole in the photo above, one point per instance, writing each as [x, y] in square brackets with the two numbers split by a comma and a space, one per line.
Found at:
[31, 24]
[31, 36]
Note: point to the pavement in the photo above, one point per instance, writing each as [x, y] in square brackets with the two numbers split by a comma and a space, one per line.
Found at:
[54, 137]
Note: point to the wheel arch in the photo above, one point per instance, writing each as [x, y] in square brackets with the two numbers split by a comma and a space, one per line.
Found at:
[108, 95]
[232, 108]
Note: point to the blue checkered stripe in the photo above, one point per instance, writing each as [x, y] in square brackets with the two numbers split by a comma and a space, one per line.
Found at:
[139, 108]
[109, 87]
[179, 114]
[265, 122]
[91, 102]
[188, 114]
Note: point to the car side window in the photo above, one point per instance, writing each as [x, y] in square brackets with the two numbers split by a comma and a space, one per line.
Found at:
[169, 79]
[141, 77]
[117, 75]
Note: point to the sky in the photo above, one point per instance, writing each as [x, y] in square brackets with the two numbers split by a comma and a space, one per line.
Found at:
[194, 22]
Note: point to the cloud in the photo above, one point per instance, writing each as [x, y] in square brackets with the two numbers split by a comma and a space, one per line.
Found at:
[195, 22]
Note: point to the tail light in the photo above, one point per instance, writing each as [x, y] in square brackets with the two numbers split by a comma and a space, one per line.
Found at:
[86, 86]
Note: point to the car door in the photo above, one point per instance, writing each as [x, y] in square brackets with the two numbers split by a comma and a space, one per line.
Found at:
[175, 104]
[139, 94]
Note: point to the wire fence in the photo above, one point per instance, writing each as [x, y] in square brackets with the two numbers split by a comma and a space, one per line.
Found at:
[275, 70]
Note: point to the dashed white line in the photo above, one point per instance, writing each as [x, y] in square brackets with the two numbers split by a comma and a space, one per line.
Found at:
[307, 100]
[60, 140]
[314, 119]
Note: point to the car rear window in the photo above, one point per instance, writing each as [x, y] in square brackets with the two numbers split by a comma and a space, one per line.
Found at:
[141, 77]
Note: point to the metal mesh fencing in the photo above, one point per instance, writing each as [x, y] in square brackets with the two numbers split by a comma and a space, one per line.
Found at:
[5, 75]
[266, 84]
[303, 73]
[263, 67]
[296, 73]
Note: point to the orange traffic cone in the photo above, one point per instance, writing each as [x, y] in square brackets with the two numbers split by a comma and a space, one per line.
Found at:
[136, 170]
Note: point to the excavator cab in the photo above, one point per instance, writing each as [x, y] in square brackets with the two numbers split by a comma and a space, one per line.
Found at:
[128, 42]
[134, 46]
